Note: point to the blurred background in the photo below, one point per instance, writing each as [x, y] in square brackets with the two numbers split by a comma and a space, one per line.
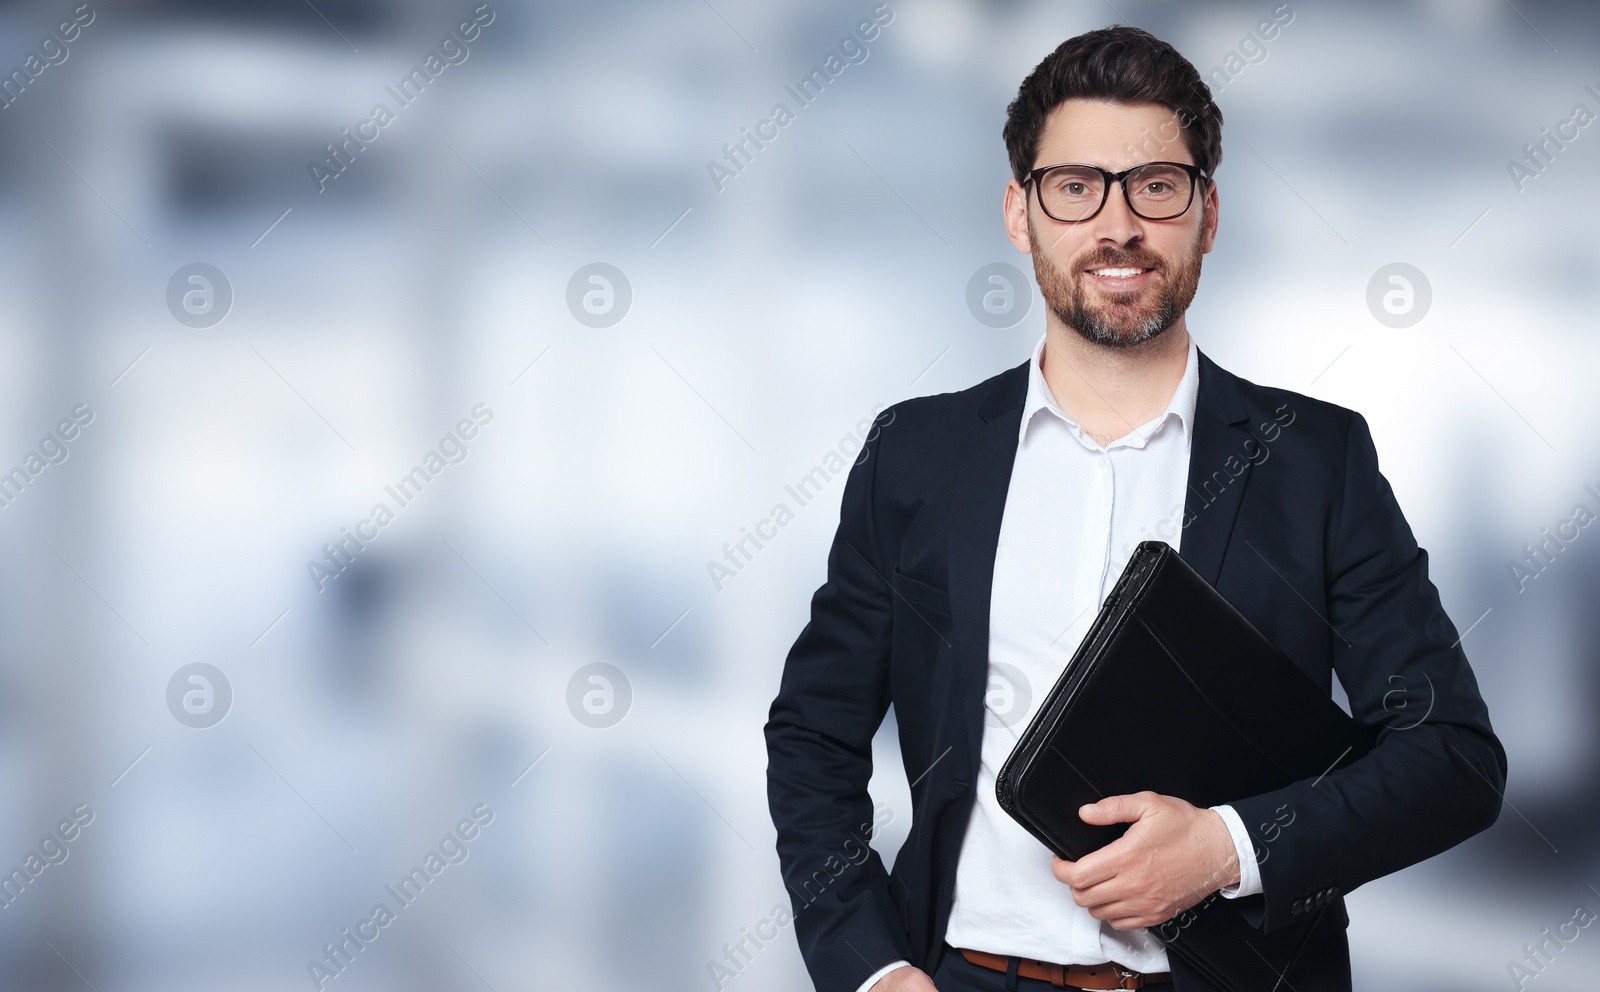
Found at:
[572, 361]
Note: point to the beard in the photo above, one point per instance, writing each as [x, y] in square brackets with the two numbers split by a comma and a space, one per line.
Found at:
[1119, 320]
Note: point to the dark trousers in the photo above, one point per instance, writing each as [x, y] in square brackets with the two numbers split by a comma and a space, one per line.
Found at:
[956, 974]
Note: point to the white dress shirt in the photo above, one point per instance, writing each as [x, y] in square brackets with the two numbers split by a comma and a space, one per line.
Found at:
[1074, 513]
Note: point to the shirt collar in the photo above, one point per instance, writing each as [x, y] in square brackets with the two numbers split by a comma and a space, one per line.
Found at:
[1181, 406]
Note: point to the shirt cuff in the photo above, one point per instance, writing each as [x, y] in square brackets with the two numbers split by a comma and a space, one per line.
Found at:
[874, 978]
[1249, 883]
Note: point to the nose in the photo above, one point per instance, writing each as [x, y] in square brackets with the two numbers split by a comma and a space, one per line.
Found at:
[1116, 222]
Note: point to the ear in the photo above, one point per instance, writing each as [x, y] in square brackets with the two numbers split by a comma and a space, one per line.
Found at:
[1209, 223]
[1014, 208]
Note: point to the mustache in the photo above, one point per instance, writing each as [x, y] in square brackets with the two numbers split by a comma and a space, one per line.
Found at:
[1107, 257]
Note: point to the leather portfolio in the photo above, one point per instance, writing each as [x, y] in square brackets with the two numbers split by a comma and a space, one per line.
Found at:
[1222, 715]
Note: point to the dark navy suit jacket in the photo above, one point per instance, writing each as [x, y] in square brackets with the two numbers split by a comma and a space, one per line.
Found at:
[1286, 515]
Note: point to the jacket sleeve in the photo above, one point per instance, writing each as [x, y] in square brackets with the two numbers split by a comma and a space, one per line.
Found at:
[1437, 774]
[831, 700]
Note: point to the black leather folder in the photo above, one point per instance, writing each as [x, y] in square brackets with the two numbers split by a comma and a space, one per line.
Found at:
[1219, 714]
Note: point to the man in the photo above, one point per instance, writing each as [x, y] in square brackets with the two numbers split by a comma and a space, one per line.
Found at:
[981, 531]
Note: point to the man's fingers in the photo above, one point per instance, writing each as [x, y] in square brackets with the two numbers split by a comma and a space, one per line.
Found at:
[1118, 809]
[1097, 866]
[1087, 871]
[1109, 893]
[1129, 914]
[1098, 896]
[1116, 909]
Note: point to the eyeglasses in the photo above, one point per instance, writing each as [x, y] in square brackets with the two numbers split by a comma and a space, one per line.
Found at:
[1073, 193]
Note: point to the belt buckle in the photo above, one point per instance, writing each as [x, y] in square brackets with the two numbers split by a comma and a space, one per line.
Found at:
[1129, 976]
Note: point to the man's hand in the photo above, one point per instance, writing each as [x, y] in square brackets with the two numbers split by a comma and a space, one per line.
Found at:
[1173, 856]
[907, 978]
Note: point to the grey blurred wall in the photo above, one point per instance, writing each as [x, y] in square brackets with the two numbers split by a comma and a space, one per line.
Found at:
[238, 703]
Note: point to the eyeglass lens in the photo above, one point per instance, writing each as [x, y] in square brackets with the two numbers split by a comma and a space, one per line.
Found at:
[1074, 193]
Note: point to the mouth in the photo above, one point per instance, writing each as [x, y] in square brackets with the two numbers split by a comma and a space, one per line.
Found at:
[1119, 277]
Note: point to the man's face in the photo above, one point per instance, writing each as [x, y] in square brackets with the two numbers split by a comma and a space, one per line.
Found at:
[1070, 261]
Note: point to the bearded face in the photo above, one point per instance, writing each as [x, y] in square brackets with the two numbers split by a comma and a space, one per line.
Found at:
[1117, 296]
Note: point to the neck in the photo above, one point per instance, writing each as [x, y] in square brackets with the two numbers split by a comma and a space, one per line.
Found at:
[1107, 390]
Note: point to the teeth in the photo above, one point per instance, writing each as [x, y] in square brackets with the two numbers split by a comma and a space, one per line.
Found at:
[1117, 273]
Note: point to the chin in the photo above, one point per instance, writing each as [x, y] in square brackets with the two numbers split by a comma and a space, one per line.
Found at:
[1123, 335]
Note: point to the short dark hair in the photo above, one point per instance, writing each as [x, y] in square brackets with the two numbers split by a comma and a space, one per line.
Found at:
[1118, 63]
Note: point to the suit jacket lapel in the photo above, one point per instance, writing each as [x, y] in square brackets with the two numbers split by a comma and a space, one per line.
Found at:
[978, 507]
[1219, 468]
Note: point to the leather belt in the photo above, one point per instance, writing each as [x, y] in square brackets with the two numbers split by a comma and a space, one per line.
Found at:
[1064, 976]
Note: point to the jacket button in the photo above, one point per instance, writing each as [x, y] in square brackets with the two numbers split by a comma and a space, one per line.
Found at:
[1298, 907]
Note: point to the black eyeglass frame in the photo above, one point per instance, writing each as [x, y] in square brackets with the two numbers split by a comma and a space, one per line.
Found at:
[1196, 177]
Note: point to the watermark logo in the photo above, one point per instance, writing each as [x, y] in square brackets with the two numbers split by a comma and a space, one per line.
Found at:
[1399, 295]
[453, 849]
[1271, 832]
[599, 695]
[452, 450]
[199, 295]
[52, 50]
[454, 49]
[1539, 155]
[1541, 554]
[54, 849]
[1252, 49]
[1540, 954]
[1009, 695]
[737, 955]
[851, 450]
[853, 49]
[599, 295]
[52, 450]
[199, 695]
[1401, 701]
[999, 295]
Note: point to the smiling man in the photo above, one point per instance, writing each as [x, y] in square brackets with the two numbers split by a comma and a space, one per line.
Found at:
[980, 533]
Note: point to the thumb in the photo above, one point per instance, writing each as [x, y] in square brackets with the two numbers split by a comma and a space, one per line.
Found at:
[1113, 809]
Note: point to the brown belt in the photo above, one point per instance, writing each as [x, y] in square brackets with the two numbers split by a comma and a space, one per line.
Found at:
[1084, 976]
